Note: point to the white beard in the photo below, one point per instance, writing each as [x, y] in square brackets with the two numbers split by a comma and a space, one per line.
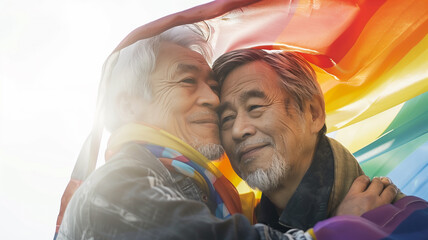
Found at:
[211, 151]
[270, 178]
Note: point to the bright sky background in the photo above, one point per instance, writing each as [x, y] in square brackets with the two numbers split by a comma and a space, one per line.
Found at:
[51, 54]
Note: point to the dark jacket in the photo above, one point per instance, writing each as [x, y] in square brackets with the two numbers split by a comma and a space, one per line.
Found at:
[133, 196]
[322, 189]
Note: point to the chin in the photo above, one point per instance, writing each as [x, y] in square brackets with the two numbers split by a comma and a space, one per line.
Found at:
[210, 150]
[253, 165]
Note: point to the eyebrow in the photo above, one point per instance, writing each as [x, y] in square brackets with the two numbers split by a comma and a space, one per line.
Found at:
[182, 67]
[251, 94]
[242, 99]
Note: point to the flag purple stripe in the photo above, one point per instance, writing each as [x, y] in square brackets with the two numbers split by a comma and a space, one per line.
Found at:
[414, 227]
[379, 223]
[391, 215]
[347, 227]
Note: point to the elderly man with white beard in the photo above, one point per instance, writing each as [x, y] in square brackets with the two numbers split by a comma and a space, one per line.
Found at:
[272, 125]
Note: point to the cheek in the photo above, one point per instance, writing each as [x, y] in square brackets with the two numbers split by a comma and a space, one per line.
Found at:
[173, 98]
[182, 106]
[226, 136]
[175, 110]
[284, 138]
[289, 128]
[163, 106]
[228, 145]
[167, 115]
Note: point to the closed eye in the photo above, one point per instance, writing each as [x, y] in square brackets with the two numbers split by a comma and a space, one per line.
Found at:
[253, 107]
[188, 81]
[226, 119]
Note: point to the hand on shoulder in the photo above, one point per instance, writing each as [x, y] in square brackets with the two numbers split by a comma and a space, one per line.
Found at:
[365, 195]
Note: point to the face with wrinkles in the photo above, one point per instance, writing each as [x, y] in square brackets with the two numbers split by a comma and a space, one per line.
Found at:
[185, 96]
[263, 134]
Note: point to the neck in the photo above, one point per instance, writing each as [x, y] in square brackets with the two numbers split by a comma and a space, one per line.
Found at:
[281, 195]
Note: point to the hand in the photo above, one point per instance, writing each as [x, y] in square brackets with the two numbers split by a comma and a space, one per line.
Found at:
[364, 196]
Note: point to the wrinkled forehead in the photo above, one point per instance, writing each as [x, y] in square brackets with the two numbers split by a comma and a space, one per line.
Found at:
[174, 59]
[172, 51]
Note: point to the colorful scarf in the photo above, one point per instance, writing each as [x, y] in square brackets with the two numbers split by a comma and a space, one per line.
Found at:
[180, 157]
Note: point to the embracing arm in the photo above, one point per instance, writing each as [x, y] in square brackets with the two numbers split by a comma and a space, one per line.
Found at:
[133, 199]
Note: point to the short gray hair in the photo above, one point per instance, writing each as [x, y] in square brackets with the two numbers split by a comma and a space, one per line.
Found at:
[297, 77]
[128, 70]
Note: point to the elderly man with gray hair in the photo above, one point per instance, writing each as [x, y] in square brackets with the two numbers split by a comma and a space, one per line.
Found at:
[272, 124]
[158, 100]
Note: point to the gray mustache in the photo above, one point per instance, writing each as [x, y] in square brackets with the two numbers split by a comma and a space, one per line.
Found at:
[249, 142]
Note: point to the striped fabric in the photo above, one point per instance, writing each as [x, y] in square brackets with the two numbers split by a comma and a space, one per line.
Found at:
[180, 157]
[175, 161]
[371, 59]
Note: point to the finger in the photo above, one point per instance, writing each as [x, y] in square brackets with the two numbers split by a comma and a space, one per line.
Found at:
[375, 187]
[359, 185]
[386, 181]
[389, 194]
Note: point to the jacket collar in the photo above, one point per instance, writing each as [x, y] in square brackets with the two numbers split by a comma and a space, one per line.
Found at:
[309, 204]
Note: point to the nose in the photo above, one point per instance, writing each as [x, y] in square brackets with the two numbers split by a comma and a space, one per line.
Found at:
[208, 97]
[242, 128]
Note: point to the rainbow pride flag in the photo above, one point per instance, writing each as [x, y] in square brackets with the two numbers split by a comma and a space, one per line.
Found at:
[371, 59]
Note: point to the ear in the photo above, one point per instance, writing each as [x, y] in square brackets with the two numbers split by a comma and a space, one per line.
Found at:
[130, 108]
[317, 113]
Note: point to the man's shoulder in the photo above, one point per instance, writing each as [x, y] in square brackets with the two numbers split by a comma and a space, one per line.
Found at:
[338, 147]
[343, 158]
[135, 160]
[346, 169]
[131, 177]
[133, 167]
